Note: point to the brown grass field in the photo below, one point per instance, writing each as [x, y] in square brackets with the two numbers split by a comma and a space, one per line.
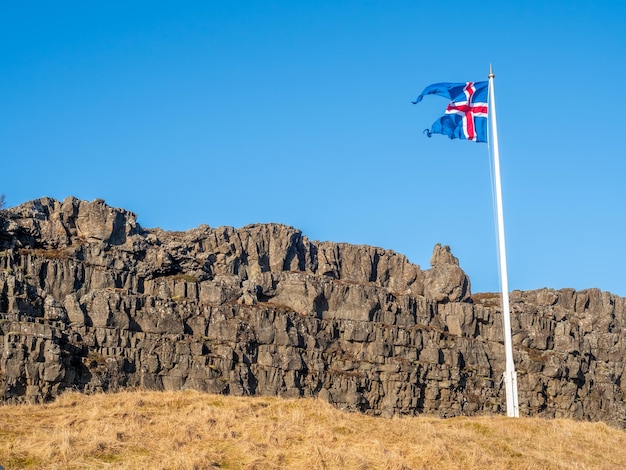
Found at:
[191, 430]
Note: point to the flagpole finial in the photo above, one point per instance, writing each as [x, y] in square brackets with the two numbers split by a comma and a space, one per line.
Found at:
[491, 75]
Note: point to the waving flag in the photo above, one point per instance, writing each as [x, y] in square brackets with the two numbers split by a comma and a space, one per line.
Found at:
[466, 114]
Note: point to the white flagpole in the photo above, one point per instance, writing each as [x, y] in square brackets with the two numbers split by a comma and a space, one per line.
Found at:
[510, 376]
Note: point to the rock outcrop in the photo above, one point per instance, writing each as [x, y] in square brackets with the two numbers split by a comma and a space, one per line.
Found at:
[90, 300]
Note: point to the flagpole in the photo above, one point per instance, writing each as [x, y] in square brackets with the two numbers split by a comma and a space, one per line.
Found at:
[510, 376]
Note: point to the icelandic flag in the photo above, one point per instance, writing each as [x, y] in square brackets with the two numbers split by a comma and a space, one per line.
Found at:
[466, 114]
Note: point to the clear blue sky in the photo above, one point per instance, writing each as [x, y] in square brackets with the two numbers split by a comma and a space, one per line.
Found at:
[231, 113]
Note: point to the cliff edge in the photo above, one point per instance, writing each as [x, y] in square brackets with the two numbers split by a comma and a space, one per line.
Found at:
[90, 300]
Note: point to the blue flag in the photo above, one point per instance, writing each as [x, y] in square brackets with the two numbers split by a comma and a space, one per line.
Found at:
[466, 114]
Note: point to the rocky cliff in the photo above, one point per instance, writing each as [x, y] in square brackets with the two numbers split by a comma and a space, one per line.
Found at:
[90, 300]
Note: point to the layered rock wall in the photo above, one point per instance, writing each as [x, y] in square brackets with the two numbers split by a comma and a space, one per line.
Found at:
[90, 300]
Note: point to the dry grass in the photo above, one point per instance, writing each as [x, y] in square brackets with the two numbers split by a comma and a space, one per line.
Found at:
[185, 277]
[191, 430]
[488, 299]
[48, 253]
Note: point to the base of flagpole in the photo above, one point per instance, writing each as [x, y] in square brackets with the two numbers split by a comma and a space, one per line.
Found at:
[510, 381]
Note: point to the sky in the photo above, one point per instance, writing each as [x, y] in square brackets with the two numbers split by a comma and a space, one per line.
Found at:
[300, 113]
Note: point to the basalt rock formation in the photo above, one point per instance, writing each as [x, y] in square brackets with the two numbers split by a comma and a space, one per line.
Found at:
[90, 300]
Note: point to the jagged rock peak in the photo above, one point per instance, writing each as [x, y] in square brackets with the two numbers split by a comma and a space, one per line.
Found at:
[50, 223]
[443, 255]
[446, 281]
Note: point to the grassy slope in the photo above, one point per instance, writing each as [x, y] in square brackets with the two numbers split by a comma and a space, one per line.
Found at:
[190, 430]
